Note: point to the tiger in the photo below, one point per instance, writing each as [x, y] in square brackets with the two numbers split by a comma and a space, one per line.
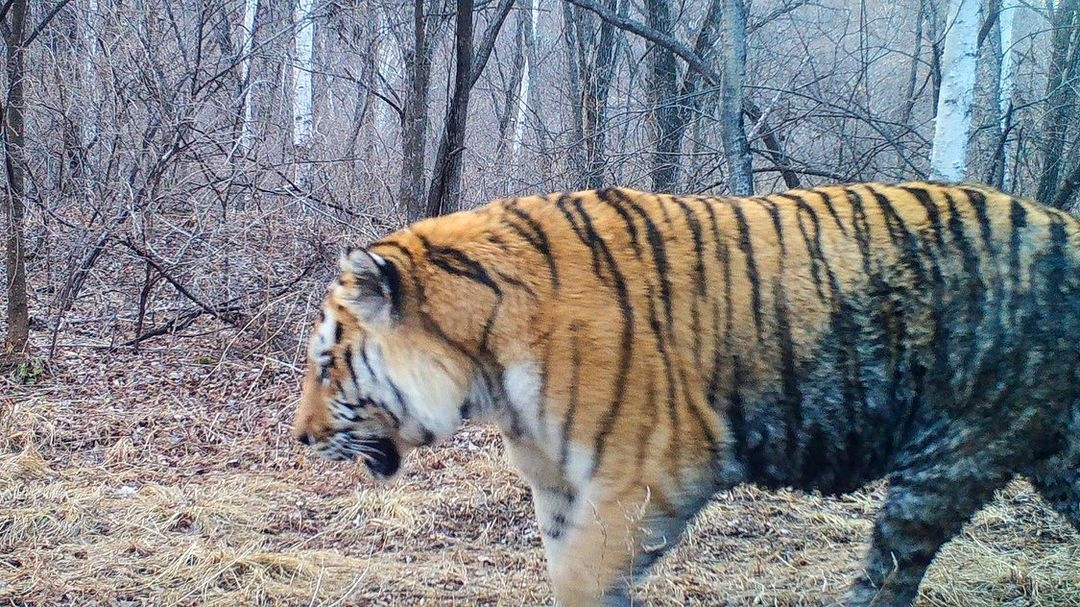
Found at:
[640, 352]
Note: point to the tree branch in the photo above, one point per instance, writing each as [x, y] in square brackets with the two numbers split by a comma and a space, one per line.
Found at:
[488, 42]
[45, 22]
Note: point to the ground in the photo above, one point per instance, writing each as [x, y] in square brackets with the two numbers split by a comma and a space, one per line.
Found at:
[167, 477]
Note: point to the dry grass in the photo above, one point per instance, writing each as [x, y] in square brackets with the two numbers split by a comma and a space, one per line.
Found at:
[156, 479]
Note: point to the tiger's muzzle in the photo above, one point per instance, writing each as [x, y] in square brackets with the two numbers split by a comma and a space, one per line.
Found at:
[379, 454]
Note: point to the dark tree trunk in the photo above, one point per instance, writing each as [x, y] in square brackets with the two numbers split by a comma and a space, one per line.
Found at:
[669, 115]
[18, 312]
[1061, 97]
[594, 62]
[445, 193]
[414, 122]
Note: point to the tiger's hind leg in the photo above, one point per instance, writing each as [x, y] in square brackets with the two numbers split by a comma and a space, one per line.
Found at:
[924, 509]
[1057, 478]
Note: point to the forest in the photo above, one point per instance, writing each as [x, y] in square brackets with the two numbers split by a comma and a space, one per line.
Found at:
[181, 175]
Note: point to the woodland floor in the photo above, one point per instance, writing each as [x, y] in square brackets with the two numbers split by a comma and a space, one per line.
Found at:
[167, 477]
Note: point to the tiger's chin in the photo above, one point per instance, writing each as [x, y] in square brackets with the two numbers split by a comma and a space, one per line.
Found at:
[379, 455]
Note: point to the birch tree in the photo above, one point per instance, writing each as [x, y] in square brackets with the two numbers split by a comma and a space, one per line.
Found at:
[519, 87]
[952, 126]
[303, 101]
[88, 31]
[247, 45]
[732, 82]
[530, 15]
[1006, 85]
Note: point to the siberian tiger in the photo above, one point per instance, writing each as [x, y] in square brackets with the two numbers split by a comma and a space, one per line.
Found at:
[640, 352]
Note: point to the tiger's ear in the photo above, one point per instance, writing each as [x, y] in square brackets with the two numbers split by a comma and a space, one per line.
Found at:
[369, 286]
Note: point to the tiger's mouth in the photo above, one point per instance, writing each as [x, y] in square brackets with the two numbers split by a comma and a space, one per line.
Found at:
[379, 454]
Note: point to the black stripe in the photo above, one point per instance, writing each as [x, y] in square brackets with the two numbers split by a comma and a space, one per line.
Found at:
[571, 406]
[826, 200]
[933, 214]
[940, 342]
[747, 248]
[694, 224]
[614, 198]
[456, 262]
[536, 237]
[662, 338]
[861, 227]
[652, 412]
[815, 252]
[393, 244]
[364, 359]
[736, 413]
[594, 242]
[978, 203]
[894, 225]
[581, 227]
[700, 286]
[773, 210]
[969, 260]
[909, 247]
[347, 354]
[660, 261]
[516, 282]
[391, 277]
[790, 393]
[1018, 222]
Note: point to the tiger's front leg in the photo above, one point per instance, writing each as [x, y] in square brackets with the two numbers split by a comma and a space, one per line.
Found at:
[597, 537]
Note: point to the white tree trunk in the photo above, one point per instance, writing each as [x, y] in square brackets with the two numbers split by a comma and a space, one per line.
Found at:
[387, 69]
[89, 44]
[948, 158]
[518, 136]
[732, 83]
[303, 112]
[1006, 82]
[251, 7]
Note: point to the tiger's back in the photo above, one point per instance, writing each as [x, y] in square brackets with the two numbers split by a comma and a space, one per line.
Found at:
[640, 352]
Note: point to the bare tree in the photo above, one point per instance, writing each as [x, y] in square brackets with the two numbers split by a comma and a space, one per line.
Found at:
[303, 99]
[18, 311]
[445, 193]
[732, 81]
[1006, 86]
[417, 57]
[675, 99]
[593, 52]
[733, 25]
[952, 127]
[251, 9]
[1062, 111]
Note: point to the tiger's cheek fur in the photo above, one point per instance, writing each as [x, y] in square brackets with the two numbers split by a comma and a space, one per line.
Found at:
[428, 385]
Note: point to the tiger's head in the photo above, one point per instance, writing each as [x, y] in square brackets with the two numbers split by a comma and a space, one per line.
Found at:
[379, 381]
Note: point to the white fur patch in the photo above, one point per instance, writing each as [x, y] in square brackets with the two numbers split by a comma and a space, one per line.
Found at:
[322, 340]
[579, 462]
[522, 382]
[432, 397]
